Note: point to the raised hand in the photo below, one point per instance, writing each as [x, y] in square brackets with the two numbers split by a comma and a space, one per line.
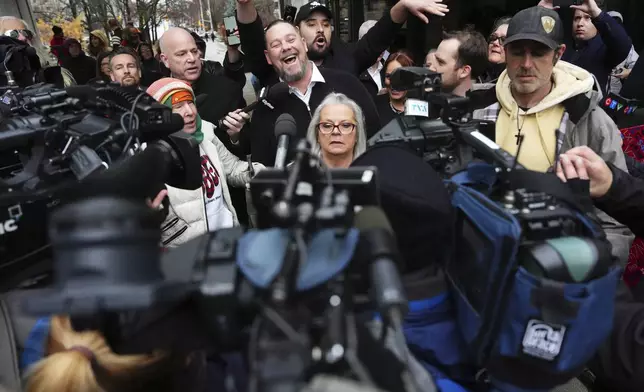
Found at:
[420, 8]
[590, 7]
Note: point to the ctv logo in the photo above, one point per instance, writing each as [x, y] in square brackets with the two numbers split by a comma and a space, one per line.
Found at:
[11, 224]
[8, 226]
[613, 104]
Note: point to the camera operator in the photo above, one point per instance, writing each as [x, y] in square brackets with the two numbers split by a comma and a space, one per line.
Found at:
[16, 28]
[619, 364]
[391, 104]
[549, 106]
[461, 58]
[193, 213]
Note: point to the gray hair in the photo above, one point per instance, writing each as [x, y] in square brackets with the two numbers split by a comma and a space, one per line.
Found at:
[361, 133]
[4, 19]
[366, 26]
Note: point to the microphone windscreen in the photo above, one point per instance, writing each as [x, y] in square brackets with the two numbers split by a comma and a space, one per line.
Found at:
[277, 90]
[372, 218]
[138, 177]
[285, 125]
[176, 122]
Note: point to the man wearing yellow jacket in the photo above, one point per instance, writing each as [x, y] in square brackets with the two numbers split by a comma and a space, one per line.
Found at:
[549, 106]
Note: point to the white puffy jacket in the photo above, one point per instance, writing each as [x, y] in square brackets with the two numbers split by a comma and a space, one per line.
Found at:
[187, 216]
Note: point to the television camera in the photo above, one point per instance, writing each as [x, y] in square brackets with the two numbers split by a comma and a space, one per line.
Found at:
[434, 123]
[290, 288]
[53, 141]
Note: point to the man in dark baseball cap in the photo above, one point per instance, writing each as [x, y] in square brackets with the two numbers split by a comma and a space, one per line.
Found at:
[308, 9]
[549, 106]
[536, 24]
[314, 21]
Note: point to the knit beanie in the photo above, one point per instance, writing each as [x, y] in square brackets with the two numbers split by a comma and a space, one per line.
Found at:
[169, 91]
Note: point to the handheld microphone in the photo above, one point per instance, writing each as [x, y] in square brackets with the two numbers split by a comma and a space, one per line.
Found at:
[285, 129]
[378, 246]
[266, 95]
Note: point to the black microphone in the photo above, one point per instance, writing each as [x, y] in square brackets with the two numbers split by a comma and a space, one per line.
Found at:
[266, 95]
[285, 129]
[378, 246]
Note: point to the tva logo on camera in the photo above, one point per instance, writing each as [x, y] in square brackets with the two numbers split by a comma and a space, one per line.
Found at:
[614, 104]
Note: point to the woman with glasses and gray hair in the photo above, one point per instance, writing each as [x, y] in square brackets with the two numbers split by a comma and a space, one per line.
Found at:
[337, 131]
[495, 50]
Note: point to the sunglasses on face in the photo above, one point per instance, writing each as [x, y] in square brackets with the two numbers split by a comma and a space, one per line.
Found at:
[345, 128]
[15, 34]
[494, 37]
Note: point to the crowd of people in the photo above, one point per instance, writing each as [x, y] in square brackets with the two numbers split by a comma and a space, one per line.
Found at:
[543, 95]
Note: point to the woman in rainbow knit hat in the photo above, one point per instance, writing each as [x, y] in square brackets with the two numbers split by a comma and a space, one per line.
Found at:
[194, 212]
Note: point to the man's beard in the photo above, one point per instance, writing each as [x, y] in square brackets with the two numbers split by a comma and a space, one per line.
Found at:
[129, 82]
[289, 78]
[315, 55]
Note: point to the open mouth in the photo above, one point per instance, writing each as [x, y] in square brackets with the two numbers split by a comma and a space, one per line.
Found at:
[320, 41]
[288, 60]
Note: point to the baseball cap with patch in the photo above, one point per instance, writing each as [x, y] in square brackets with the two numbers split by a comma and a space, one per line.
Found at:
[307, 9]
[536, 24]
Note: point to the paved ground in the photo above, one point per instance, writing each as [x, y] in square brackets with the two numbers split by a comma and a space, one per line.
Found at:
[215, 51]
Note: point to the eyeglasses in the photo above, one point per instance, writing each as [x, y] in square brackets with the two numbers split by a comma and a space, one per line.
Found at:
[15, 34]
[345, 128]
[494, 37]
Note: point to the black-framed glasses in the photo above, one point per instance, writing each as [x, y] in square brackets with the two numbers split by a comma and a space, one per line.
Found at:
[15, 34]
[494, 37]
[345, 128]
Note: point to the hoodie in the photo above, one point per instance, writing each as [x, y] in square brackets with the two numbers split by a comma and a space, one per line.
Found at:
[573, 108]
[539, 124]
[583, 122]
[83, 67]
[105, 43]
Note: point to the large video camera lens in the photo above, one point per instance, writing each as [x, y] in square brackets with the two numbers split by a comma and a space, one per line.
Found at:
[110, 238]
[106, 255]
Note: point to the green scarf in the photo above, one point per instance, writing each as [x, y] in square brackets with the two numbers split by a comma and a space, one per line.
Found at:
[198, 134]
